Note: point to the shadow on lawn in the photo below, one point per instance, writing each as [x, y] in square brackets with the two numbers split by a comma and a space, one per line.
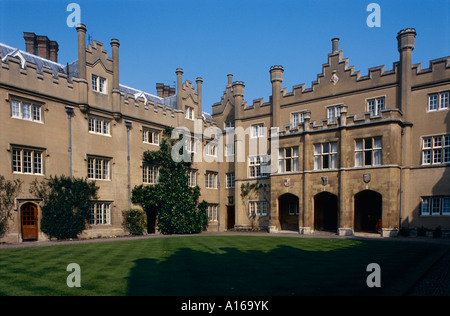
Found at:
[282, 271]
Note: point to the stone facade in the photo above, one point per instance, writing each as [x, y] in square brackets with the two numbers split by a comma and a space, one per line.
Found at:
[351, 153]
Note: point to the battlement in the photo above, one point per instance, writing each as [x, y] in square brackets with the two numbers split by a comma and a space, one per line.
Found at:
[51, 80]
[344, 121]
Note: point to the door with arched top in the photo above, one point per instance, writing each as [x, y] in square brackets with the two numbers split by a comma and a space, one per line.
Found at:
[29, 221]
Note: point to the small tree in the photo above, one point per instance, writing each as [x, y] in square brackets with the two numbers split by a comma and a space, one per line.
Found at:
[171, 200]
[66, 206]
[134, 221]
[9, 190]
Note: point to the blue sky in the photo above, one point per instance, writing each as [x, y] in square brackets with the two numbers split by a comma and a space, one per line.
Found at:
[211, 38]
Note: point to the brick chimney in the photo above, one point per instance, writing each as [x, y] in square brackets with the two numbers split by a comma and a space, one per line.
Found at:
[159, 89]
[164, 91]
[41, 46]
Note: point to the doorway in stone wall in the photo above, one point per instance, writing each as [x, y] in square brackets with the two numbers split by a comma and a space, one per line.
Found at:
[326, 212]
[288, 208]
[368, 210]
[29, 221]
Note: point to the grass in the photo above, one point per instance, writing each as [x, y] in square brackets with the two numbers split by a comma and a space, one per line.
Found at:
[216, 265]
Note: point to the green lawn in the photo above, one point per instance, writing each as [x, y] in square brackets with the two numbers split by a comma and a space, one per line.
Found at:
[217, 265]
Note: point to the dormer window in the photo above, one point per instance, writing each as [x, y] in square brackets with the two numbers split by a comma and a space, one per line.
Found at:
[98, 84]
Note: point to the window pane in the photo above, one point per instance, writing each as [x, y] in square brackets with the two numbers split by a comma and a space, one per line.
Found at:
[91, 125]
[433, 102]
[435, 206]
[427, 142]
[36, 113]
[261, 130]
[437, 156]
[91, 168]
[326, 148]
[288, 165]
[26, 111]
[425, 209]
[15, 108]
[380, 105]
[288, 152]
[447, 155]
[295, 164]
[317, 149]
[17, 164]
[371, 107]
[325, 162]
[94, 82]
[368, 143]
[446, 206]
[427, 156]
[255, 130]
[447, 141]
[437, 141]
[102, 84]
[27, 161]
[444, 100]
[334, 161]
[358, 159]
[98, 126]
[334, 147]
[37, 166]
[105, 169]
[377, 142]
[98, 169]
[377, 157]
[106, 128]
[359, 144]
[92, 214]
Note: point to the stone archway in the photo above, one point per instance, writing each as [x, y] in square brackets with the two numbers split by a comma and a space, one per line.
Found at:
[288, 210]
[368, 211]
[326, 212]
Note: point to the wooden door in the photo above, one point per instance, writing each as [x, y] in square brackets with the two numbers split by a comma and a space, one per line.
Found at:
[230, 217]
[29, 222]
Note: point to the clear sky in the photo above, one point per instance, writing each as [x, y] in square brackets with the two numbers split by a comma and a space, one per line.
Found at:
[211, 38]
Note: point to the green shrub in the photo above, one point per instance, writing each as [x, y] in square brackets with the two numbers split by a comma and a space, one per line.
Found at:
[9, 190]
[134, 221]
[66, 206]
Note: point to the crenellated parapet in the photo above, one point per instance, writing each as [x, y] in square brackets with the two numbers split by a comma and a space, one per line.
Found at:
[344, 121]
[55, 83]
[22, 76]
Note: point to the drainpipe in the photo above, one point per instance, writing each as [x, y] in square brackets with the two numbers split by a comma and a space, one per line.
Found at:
[128, 126]
[401, 179]
[218, 192]
[69, 111]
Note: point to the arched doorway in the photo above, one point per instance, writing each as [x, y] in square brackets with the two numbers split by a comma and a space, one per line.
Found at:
[29, 221]
[368, 209]
[326, 212]
[288, 211]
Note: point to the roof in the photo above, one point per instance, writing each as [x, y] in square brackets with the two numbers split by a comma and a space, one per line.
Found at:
[165, 102]
[40, 62]
[72, 71]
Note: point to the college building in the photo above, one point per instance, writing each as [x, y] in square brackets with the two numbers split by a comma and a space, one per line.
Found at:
[348, 154]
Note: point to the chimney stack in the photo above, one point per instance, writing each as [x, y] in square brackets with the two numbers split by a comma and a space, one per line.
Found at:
[41, 46]
[164, 91]
[406, 42]
[335, 45]
[159, 89]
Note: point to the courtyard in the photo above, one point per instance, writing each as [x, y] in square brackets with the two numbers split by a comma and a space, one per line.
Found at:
[217, 265]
